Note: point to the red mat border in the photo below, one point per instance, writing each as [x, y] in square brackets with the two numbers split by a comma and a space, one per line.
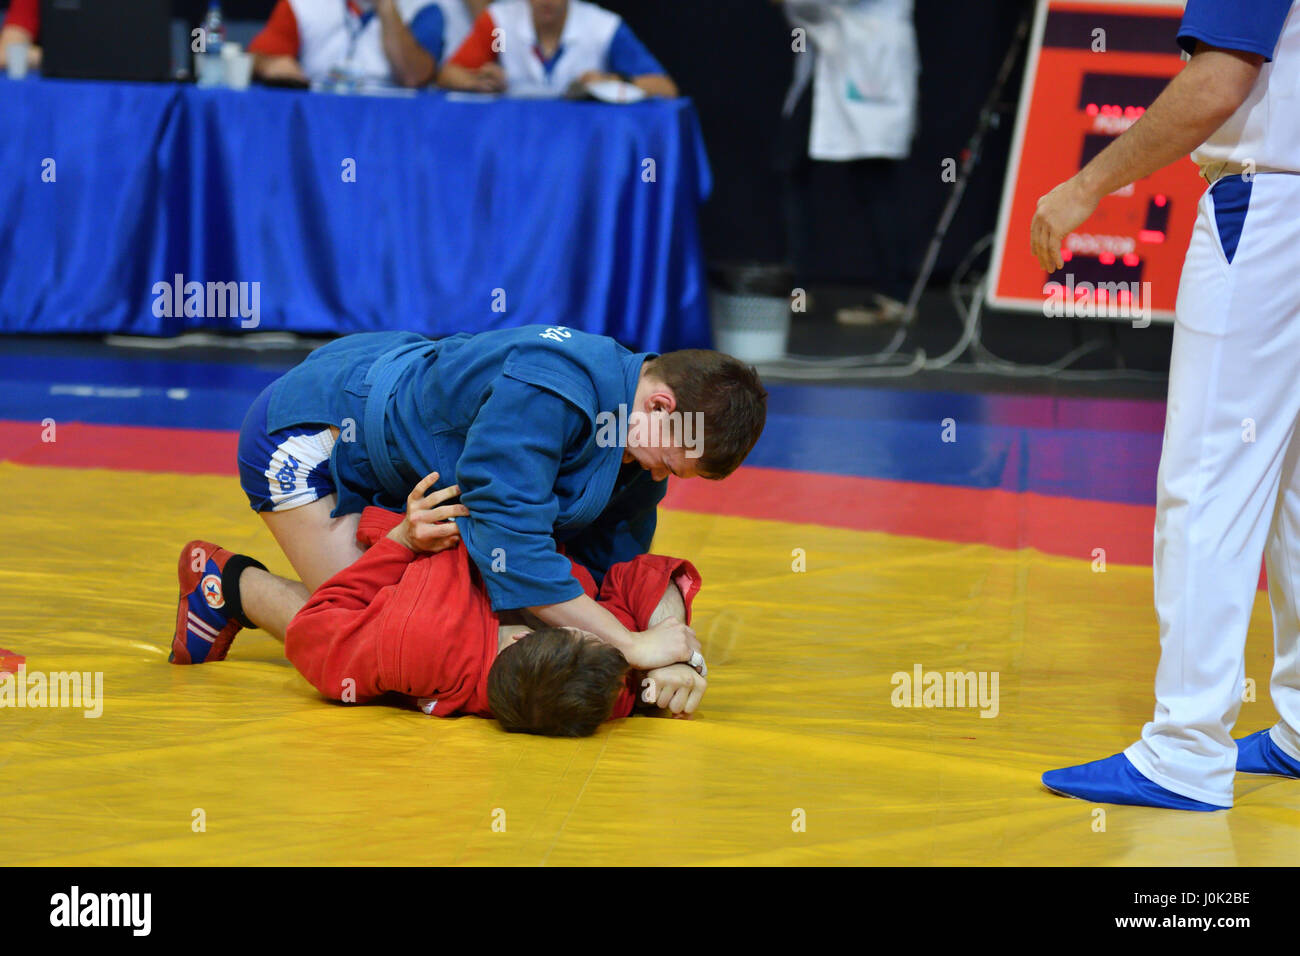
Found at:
[1055, 525]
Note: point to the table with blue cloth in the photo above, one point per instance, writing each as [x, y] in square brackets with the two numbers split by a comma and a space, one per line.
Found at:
[351, 213]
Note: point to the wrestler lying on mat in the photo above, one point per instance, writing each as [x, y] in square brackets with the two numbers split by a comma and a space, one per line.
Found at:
[406, 621]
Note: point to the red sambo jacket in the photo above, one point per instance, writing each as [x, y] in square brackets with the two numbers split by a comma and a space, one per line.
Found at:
[421, 624]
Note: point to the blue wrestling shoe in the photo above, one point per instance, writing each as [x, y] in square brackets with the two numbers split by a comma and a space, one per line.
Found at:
[1116, 780]
[1258, 754]
[205, 628]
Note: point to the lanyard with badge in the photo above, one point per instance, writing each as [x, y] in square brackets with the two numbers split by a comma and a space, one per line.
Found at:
[355, 21]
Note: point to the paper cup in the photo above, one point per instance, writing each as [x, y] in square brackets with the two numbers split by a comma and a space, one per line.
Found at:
[239, 70]
[16, 59]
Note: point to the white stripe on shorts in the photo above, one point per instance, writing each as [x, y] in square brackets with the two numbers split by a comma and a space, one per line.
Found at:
[294, 459]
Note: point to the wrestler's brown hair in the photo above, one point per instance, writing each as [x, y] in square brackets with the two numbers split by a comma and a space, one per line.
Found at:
[555, 682]
[728, 394]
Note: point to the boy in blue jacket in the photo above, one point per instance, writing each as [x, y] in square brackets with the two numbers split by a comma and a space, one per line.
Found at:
[554, 437]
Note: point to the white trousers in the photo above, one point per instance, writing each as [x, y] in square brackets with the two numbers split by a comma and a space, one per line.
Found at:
[1228, 490]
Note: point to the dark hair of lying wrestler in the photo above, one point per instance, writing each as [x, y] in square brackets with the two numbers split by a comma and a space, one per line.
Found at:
[555, 681]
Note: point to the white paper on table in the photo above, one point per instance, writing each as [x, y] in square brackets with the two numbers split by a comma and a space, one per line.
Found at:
[615, 91]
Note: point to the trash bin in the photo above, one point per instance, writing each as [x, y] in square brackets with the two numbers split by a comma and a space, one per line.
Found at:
[750, 303]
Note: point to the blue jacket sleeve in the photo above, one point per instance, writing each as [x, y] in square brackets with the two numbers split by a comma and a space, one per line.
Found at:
[629, 56]
[427, 27]
[507, 478]
[623, 531]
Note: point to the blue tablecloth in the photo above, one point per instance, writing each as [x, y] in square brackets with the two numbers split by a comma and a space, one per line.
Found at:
[463, 215]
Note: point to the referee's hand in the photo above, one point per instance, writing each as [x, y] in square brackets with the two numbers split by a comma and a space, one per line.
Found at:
[1059, 213]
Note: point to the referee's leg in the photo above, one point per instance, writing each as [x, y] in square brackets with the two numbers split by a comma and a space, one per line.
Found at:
[1232, 409]
[1283, 562]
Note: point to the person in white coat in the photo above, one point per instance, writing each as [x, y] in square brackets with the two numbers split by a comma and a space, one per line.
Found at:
[852, 100]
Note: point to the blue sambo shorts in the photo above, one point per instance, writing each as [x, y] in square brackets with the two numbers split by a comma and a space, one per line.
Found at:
[285, 469]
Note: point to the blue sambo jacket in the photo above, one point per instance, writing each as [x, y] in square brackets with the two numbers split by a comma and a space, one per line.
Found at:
[512, 417]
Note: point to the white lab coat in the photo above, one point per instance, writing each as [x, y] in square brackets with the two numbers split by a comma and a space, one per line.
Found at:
[862, 60]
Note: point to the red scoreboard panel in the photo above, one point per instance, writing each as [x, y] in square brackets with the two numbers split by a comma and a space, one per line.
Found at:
[1094, 67]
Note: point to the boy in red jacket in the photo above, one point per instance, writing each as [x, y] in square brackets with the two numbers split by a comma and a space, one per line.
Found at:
[405, 621]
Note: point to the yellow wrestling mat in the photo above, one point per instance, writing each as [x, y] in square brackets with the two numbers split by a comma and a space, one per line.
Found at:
[798, 755]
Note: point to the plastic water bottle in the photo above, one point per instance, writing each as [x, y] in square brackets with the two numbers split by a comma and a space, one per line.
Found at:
[214, 35]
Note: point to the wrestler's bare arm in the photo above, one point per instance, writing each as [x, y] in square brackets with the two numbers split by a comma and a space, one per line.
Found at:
[672, 604]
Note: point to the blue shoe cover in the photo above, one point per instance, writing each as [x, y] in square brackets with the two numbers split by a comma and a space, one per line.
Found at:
[1116, 780]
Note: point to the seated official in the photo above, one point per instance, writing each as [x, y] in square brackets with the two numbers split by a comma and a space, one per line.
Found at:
[398, 42]
[543, 47]
[22, 25]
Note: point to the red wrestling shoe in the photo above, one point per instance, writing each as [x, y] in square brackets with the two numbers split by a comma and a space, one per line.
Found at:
[204, 628]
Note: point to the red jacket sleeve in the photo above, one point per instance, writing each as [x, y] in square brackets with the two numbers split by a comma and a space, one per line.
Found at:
[280, 35]
[333, 639]
[375, 524]
[477, 47]
[632, 590]
[25, 14]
